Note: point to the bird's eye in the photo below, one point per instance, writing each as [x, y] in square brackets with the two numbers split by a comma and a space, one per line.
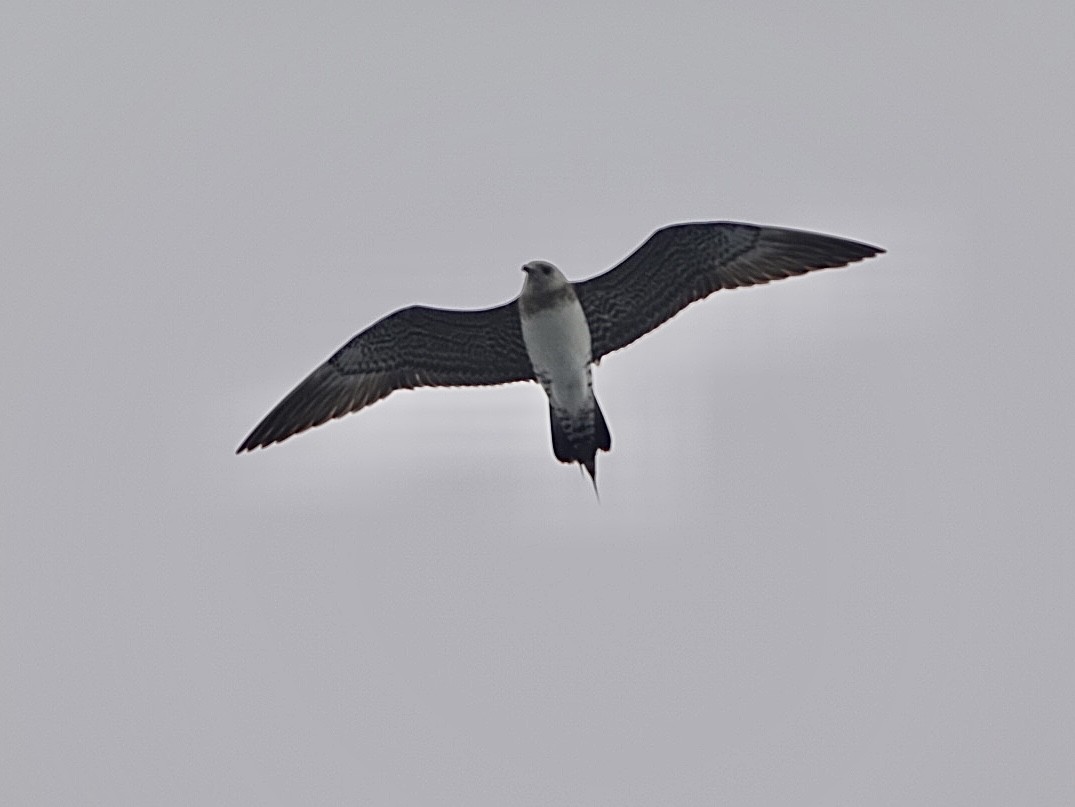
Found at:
[545, 270]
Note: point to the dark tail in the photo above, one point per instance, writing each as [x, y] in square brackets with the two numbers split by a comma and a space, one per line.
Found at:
[579, 440]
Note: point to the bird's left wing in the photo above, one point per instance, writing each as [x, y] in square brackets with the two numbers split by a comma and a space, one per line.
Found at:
[413, 347]
[682, 263]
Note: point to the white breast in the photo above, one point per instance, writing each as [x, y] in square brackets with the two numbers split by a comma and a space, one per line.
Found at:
[558, 341]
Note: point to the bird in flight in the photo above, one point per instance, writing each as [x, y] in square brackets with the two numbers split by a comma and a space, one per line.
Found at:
[554, 331]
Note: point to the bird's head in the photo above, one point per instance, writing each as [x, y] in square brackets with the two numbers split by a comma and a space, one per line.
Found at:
[543, 277]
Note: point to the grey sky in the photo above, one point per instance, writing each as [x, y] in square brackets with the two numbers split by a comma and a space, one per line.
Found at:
[833, 560]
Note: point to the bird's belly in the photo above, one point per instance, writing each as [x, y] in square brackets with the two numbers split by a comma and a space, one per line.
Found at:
[558, 341]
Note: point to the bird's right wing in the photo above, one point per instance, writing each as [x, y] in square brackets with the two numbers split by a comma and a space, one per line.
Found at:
[682, 263]
[413, 347]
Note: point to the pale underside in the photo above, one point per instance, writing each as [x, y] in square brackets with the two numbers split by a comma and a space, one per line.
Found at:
[557, 341]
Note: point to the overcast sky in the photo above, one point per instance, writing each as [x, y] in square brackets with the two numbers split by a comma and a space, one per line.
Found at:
[833, 560]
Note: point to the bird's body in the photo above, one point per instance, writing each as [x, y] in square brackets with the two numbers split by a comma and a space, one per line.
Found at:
[557, 339]
[554, 331]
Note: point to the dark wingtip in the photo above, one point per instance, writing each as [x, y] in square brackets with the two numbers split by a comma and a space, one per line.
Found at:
[254, 440]
[866, 250]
